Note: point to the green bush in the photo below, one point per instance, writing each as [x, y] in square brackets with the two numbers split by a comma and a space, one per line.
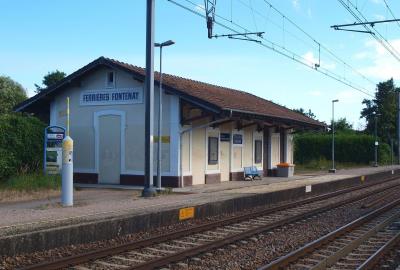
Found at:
[349, 148]
[21, 144]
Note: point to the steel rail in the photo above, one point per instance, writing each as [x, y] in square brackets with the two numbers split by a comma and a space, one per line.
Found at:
[236, 237]
[104, 252]
[312, 246]
[374, 259]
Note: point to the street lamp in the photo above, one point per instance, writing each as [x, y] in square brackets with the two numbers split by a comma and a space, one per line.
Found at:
[376, 139]
[333, 170]
[160, 45]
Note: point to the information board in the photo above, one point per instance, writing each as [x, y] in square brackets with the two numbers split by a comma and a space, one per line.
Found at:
[237, 139]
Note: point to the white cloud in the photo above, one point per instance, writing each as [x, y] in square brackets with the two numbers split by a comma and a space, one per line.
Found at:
[350, 96]
[311, 60]
[379, 17]
[296, 4]
[383, 65]
[360, 55]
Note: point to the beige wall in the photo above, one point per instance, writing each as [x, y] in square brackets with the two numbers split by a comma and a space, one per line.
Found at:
[83, 121]
[290, 149]
[186, 153]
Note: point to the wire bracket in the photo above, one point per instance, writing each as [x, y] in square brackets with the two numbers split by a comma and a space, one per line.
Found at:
[240, 35]
[209, 6]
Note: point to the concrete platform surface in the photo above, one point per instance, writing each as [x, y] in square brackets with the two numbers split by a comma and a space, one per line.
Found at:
[93, 204]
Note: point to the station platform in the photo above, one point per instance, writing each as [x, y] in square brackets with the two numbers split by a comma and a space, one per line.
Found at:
[103, 212]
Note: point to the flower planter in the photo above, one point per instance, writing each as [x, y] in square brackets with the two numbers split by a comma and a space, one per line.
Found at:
[285, 170]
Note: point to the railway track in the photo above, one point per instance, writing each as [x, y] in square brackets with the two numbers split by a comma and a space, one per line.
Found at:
[175, 246]
[357, 245]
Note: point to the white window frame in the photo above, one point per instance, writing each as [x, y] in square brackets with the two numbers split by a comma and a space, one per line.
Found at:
[207, 131]
[259, 137]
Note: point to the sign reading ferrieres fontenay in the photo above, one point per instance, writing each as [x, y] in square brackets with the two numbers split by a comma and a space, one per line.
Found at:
[111, 96]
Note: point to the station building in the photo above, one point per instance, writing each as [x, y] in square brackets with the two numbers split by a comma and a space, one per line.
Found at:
[209, 133]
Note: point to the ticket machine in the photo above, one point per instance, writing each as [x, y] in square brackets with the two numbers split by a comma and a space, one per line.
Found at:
[53, 137]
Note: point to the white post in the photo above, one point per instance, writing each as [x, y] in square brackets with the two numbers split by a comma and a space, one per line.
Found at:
[67, 189]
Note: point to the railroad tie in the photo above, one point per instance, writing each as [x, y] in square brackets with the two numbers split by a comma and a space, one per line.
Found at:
[118, 266]
[127, 259]
[143, 254]
[186, 243]
[81, 268]
[171, 246]
[160, 250]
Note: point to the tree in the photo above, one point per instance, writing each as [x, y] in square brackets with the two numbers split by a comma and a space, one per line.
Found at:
[11, 93]
[50, 79]
[308, 114]
[383, 107]
[341, 125]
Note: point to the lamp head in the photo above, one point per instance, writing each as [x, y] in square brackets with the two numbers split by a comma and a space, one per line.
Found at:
[335, 100]
[164, 44]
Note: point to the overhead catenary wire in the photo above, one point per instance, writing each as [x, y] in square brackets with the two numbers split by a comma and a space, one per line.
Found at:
[319, 44]
[374, 33]
[334, 56]
[277, 48]
[391, 12]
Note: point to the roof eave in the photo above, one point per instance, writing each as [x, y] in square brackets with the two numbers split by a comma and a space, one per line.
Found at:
[280, 119]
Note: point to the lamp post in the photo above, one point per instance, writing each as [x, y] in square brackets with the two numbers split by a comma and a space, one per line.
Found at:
[333, 170]
[376, 139]
[160, 45]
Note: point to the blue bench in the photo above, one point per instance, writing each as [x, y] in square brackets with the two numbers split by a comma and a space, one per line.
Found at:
[251, 173]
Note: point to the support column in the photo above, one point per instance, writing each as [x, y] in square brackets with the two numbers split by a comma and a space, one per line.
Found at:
[149, 190]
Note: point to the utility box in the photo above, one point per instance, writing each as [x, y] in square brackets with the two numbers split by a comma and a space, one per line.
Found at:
[285, 170]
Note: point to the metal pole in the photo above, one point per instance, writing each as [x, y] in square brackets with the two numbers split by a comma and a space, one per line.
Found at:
[398, 127]
[149, 190]
[67, 174]
[376, 142]
[333, 137]
[391, 151]
[333, 170]
[159, 127]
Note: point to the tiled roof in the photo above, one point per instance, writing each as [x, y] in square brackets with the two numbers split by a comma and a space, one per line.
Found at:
[226, 98]
[220, 97]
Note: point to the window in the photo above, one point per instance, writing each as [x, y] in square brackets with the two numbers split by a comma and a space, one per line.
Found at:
[257, 151]
[110, 82]
[212, 150]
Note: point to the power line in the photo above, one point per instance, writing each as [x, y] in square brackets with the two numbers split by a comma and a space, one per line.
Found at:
[274, 47]
[391, 12]
[319, 44]
[362, 20]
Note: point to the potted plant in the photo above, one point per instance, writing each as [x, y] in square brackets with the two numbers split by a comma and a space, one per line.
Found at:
[285, 169]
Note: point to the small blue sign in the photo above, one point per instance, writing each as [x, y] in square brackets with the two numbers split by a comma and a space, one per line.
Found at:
[237, 139]
[225, 137]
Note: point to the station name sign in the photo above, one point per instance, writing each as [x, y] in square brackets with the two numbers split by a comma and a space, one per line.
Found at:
[111, 96]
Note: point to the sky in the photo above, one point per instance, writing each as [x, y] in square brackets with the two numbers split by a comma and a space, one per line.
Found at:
[44, 35]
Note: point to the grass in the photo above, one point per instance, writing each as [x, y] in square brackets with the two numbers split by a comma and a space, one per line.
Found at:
[325, 165]
[25, 187]
[32, 182]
